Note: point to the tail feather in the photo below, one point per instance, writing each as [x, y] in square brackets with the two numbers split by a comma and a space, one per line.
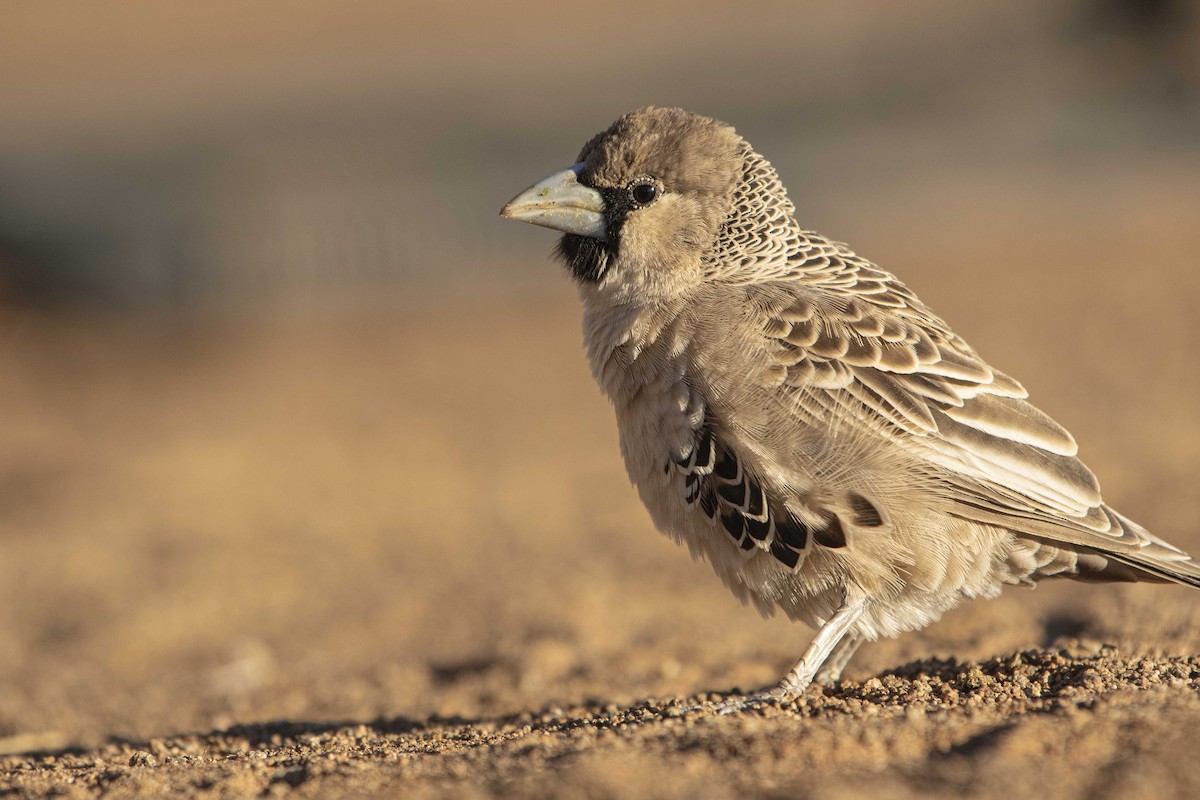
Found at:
[1182, 572]
[1156, 558]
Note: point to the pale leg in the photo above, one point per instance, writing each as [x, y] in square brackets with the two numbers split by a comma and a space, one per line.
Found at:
[801, 675]
[831, 633]
[831, 671]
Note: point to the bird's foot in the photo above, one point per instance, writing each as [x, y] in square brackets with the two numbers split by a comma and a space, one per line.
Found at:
[733, 704]
[769, 696]
[748, 702]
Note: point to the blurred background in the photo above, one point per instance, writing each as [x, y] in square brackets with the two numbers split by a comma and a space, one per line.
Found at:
[292, 424]
[227, 152]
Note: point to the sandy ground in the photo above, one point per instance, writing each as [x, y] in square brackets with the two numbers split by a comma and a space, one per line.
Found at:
[393, 550]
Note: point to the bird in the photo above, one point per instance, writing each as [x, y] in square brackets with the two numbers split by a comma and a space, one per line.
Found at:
[795, 416]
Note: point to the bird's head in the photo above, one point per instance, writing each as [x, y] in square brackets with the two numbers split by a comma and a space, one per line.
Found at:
[648, 202]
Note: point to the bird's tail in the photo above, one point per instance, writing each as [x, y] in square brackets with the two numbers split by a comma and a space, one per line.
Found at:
[1155, 560]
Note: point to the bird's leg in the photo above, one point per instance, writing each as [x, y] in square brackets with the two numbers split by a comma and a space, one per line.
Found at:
[831, 670]
[802, 673]
[832, 632]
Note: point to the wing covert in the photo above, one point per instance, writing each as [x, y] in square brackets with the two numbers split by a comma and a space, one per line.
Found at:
[852, 340]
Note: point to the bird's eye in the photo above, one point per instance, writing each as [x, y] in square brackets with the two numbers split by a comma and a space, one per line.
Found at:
[644, 193]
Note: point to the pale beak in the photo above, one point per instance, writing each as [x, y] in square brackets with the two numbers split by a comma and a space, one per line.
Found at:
[563, 203]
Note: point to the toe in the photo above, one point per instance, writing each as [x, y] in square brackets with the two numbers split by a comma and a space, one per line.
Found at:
[749, 702]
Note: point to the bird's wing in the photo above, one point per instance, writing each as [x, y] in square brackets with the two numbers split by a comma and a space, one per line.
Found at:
[849, 339]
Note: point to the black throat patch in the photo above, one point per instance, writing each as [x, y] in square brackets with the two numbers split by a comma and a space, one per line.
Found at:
[585, 258]
[588, 259]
